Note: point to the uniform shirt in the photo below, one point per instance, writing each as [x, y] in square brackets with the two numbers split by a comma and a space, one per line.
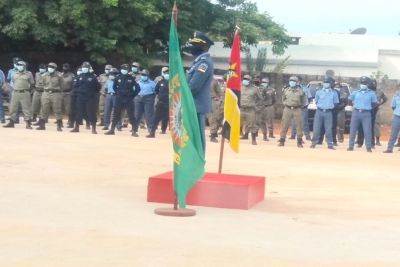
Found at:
[269, 96]
[9, 76]
[215, 89]
[294, 97]
[22, 80]
[52, 81]
[343, 99]
[2, 77]
[396, 104]
[259, 101]
[147, 87]
[199, 77]
[66, 78]
[380, 95]
[248, 96]
[326, 99]
[307, 92]
[363, 100]
[74, 85]
[109, 86]
[162, 90]
[125, 85]
[103, 78]
[39, 80]
[136, 75]
[87, 85]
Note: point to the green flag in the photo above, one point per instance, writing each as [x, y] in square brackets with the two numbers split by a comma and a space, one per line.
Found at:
[188, 149]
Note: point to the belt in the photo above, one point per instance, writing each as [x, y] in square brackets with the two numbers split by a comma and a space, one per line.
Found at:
[39, 91]
[269, 105]
[110, 93]
[362, 110]
[289, 107]
[325, 110]
[21, 91]
[146, 95]
[66, 91]
[52, 91]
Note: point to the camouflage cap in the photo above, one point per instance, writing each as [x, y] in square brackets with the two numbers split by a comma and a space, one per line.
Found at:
[265, 80]
[247, 77]
[21, 63]
[164, 69]
[108, 67]
[294, 79]
[52, 65]
[135, 64]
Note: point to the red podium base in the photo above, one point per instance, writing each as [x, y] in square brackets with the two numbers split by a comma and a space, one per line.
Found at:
[213, 190]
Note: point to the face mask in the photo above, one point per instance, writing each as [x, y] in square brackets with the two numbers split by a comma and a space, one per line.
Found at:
[265, 84]
[112, 77]
[326, 85]
[124, 71]
[292, 83]
[337, 89]
[42, 70]
[15, 66]
[20, 68]
[107, 71]
[363, 87]
[85, 70]
[245, 82]
[91, 70]
[166, 76]
[196, 50]
[144, 78]
[51, 70]
[134, 69]
[79, 72]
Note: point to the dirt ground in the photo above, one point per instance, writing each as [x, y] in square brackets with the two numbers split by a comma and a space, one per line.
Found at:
[80, 200]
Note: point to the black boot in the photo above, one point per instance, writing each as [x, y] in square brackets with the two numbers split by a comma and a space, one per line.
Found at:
[101, 122]
[76, 129]
[87, 125]
[377, 142]
[59, 125]
[94, 128]
[111, 131]
[265, 137]
[214, 138]
[271, 135]
[10, 124]
[133, 131]
[299, 142]
[28, 125]
[71, 124]
[34, 118]
[253, 139]
[281, 142]
[41, 125]
[37, 123]
[398, 143]
[245, 136]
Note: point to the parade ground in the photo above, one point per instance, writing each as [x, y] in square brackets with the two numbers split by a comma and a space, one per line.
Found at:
[80, 200]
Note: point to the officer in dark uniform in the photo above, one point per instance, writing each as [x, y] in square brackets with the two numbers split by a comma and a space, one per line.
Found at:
[87, 88]
[74, 85]
[126, 88]
[199, 77]
[162, 106]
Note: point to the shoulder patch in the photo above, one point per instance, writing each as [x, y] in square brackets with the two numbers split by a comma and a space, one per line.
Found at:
[203, 67]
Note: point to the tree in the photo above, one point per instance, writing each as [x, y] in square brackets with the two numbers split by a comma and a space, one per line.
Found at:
[261, 60]
[379, 76]
[281, 66]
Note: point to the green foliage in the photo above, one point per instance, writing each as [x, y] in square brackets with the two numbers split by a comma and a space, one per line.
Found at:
[281, 66]
[261, 60]
[379, 75]
[250, 61]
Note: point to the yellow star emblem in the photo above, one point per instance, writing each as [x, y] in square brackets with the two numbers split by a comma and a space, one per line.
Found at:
[232, 70]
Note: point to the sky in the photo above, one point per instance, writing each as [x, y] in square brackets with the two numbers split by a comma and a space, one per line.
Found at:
[379, 17]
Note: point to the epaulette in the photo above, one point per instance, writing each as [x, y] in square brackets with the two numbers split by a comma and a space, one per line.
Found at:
[203, 58]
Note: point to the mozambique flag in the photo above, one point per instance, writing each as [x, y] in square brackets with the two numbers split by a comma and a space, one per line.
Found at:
[185, 130]
[231, 127]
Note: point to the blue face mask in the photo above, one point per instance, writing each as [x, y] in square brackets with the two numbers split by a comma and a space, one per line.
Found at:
[20, 68]
[51, 70]
[326, 85]
[144, 78]
[166, 76]
[124, 71]
[245, 82]
[15, 66]
[134, 69]
[363, 87]
[79, 72]
[42, 70]
[265, 84]
[112, 77]
[107, 71]
[292, 83]
[85, 70]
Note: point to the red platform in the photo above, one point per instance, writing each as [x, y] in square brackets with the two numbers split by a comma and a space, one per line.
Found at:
[213, 190]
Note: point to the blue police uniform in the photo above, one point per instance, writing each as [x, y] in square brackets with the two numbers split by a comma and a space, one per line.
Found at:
[325, 100]
[362, 107]
[395, 123]
[86, 89]
[162, 106]
[109, 104]
[144, 103]
[304, 115]
[3, 80]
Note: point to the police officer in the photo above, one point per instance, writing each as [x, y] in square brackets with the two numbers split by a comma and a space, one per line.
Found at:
[382, 99]
[11, 83]
[215, 94]
[341, 112]
[164, 71]
[294, 99]
[395, 131]
[66, 88]
[103, 78]
[37, 94]
[126, 88]
[136, 73]
[363, 101]
[87, 88]
[110, 99]
[144, 102]
[267, 112]
[162, 106]
[22, 80]
[326, 99]
[74, 95]
[51, 97]
[199, 77]
[220, 112]
[250, 99]
[304, 112]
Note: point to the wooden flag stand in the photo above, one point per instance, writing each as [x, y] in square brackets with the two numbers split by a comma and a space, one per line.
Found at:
[175, 211]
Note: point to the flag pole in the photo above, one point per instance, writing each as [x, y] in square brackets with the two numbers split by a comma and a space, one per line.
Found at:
[221, 151]
[175, 16]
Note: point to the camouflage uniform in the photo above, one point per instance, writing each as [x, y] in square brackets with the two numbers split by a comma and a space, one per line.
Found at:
[215, 94]
[267, 113]
[103, 78]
